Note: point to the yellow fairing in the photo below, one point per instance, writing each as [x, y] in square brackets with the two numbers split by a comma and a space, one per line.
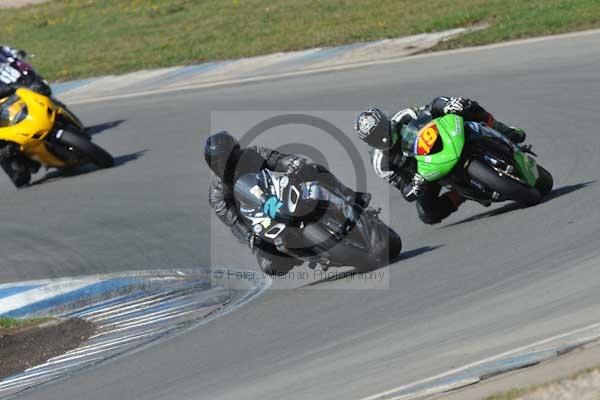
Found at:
[26, 118]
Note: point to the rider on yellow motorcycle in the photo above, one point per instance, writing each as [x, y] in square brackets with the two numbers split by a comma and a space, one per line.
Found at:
[18, 167]
[36, 130]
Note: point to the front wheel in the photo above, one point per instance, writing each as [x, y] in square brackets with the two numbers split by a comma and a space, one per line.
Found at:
[19, 176]
[392, 243]
[69, 117]
[505, 185]
[87, 149]
[274, 265]
[545, 181]
[15, 164]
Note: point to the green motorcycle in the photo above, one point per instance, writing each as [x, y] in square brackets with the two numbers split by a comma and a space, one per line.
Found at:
[474, 160]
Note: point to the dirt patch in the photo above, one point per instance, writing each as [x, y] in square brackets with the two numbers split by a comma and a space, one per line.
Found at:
[31, 346]
[19, 3]
[585, 386]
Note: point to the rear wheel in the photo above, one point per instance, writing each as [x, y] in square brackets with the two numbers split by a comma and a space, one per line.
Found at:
[505, 185]
[545, 181]
[87, 149]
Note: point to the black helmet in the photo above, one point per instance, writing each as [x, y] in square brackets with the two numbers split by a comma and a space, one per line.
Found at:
[221, 152]
[373, 127]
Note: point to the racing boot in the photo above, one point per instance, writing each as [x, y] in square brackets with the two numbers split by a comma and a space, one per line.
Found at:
[515, 135]
[455, 199]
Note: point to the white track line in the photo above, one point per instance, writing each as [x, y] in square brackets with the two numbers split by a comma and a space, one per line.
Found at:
[64, 358]
[154, 314]
[106, 346]
[30, 380]
[480, 362]
[117, 305]
[151, 322]
[39, 373]
[130, 310]
[112, 331]
[113, 300]
[102, 343]
[42, 293]
[118, 308]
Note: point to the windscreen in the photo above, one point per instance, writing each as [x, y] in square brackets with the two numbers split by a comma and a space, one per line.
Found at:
[248, 191]
[12, 111]
[415, 139]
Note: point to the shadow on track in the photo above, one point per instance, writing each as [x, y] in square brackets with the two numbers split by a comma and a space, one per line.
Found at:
[562, 191]
[85, 169]
[96, 129]
[125, 158]
[403, 256]
[566, 190]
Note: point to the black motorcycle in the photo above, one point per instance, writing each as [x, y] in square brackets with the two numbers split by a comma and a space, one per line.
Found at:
[309, 221]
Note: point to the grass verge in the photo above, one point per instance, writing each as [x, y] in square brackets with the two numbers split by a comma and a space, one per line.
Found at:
[79, 38]
[8, 325]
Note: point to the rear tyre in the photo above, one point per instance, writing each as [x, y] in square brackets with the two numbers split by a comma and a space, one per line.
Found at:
[87, 149]
[508, 187]
[545, 181]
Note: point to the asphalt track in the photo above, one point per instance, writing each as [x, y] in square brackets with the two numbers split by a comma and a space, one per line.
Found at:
[484, 281]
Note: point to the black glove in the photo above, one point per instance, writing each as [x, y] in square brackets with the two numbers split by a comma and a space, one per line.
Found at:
[14, 53]
[296, 164]
[415, 189]
[456, 105]
[254, 241]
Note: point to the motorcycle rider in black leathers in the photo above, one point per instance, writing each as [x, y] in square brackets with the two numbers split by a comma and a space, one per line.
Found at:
[382, 134]
[228, 161]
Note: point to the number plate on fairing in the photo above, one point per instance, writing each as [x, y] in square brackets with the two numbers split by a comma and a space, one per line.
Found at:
[427, 138]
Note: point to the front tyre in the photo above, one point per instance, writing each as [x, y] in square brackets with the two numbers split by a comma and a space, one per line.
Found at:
[392, 243]
[20, 177]
[15, 164]
[69, 117]
[87, 150]
[273, 265]
[545, 181]
[505, 185]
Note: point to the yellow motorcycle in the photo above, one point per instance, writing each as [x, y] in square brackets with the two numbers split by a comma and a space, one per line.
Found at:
[36, 130]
